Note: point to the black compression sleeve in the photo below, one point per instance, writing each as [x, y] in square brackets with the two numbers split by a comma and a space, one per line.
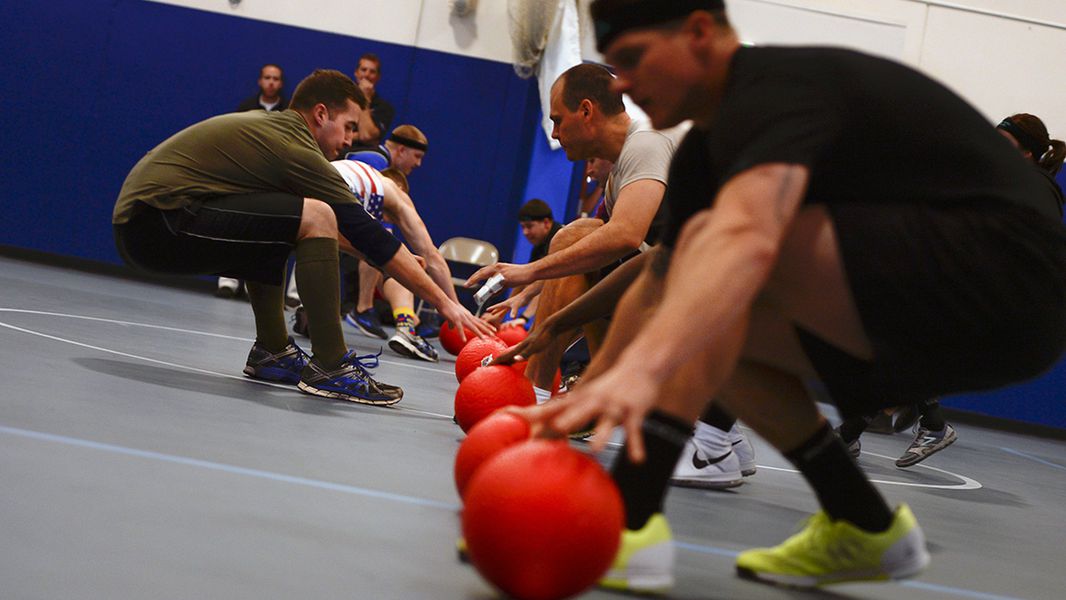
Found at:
[365, 233]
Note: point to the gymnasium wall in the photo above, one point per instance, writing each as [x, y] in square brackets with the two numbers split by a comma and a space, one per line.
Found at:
[90, 85]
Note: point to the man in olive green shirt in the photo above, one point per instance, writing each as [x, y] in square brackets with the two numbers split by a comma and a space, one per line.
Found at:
[235, 194]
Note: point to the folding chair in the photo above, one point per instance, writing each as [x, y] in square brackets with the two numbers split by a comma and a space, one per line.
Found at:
[465, 256]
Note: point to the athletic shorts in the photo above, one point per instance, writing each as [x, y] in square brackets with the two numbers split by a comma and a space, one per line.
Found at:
[247, 237]
[953, 298]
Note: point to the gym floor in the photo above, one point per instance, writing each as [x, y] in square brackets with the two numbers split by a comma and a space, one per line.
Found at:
[138, 462]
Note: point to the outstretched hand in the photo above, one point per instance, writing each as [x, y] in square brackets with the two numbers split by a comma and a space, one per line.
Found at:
[537, 340]
[620, 396]
[513, 275]
[462, 319]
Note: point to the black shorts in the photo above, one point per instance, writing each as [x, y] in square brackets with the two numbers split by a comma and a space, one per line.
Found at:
[248, 237]
[953, 298]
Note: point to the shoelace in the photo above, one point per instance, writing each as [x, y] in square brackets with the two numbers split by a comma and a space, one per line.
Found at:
[363, 363]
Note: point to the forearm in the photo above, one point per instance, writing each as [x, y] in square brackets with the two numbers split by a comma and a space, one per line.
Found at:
[713, 280]
[406, 270]
[440, 274]
[594, 251]
[602, 298]
[634, 308]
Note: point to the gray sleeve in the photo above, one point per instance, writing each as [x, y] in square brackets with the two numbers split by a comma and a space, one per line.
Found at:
[646, 155]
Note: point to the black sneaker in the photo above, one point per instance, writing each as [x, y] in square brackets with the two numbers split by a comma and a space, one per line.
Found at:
[349, 381]
[367, 322]
[300, 325]
[367, 362]
[285, 366]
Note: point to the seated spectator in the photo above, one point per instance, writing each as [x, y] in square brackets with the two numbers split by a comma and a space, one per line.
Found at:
[271, 81]
[269, 97]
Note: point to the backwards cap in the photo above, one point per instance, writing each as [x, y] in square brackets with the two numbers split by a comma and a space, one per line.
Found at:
[643, 13]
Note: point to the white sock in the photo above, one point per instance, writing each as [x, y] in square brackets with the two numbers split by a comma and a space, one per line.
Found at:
[542, 394]
[711, 440]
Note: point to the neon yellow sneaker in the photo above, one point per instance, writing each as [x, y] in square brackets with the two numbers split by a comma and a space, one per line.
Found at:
[645, 560]
[828, 551]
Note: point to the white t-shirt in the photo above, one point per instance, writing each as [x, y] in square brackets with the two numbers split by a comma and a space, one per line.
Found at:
[365, 183]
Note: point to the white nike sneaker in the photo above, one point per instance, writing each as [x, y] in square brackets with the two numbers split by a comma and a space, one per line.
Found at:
[744, 451]
[698, 469]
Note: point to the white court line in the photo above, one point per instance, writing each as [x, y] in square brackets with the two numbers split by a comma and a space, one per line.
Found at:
[967, 483]
[1032, 458]
[190, 331]
[226, 468]
[181, 366]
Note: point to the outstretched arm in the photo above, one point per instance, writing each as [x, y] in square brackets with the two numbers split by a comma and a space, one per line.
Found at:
[721, 262]
[621, 235]
[400, 209]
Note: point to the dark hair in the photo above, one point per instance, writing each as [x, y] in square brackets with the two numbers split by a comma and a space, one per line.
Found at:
[275, 66]
[534, 210]
[614, 17]
[592, 82]
[371, 57]
[329, 87]
[1046, 152]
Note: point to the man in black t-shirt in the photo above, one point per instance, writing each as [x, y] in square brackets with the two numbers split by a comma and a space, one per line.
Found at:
[538, 226]
[835, 217]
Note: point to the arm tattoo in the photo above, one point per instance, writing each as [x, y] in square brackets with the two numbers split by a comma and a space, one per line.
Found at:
[660, 261]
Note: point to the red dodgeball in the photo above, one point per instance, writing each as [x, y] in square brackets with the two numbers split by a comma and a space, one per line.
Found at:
[542, 521]
[450, 340]
[487, 389]
[512, 335]
[474, 352]
[486, 439]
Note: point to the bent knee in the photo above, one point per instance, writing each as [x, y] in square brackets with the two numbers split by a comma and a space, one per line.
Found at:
[569, 235]
[318, 219]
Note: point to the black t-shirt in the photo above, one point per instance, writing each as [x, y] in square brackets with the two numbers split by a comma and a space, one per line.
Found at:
[541, 250]
[869, 129]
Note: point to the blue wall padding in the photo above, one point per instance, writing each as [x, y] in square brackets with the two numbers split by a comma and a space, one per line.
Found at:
[91, 85]
[548, 171]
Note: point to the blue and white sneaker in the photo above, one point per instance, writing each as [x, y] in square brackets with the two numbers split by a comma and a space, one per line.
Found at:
[349, 381]
[367, 322]
[284, 367]
[369, 362]
[411, 345]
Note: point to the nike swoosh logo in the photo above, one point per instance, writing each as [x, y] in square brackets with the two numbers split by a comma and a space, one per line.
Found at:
[700, 463]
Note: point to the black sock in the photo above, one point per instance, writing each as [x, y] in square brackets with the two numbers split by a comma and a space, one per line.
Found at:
[717, 418]
[842, 488]
[644, 486]
[852, 427]
[932, 417]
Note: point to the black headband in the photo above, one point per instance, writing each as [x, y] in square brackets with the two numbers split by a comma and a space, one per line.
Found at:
[1025, 140]
[406, 141]
[644, 13]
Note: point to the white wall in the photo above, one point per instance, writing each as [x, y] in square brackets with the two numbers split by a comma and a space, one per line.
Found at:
[1004, 56]
[419, 23]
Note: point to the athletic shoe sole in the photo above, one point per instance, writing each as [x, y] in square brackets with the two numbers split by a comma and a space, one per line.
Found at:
[308, 389]
[704, 484]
